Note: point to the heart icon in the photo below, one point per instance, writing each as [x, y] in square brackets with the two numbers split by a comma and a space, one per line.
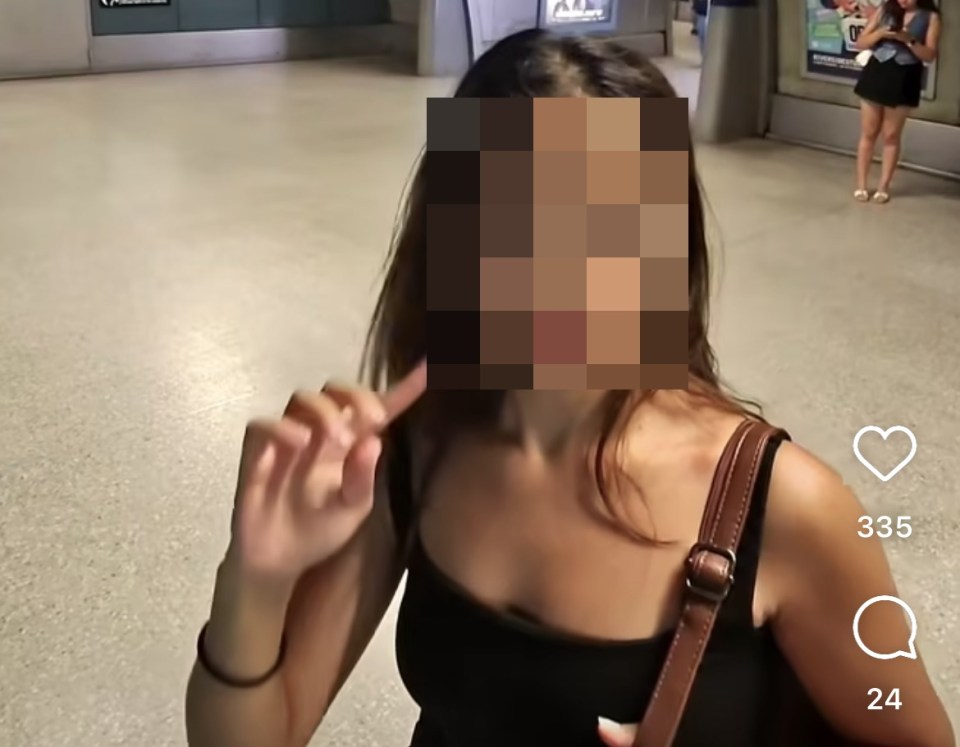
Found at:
[884, 434]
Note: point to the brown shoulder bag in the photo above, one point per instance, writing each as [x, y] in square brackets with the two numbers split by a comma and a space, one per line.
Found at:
[710, 569]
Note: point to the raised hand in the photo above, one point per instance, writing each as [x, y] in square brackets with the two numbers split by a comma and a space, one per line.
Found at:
[306, 481]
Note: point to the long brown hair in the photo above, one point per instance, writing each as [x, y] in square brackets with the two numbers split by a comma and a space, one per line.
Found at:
[896, 13]
[534, 64]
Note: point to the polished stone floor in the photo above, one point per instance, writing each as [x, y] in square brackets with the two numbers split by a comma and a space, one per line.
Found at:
[180, 250]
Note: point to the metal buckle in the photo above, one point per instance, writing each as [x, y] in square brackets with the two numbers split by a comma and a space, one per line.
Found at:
[711, 595]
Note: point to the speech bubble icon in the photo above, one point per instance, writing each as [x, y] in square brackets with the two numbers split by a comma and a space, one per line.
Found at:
[910, 653]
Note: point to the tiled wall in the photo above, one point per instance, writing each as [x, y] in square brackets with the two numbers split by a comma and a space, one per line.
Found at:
[218, 15]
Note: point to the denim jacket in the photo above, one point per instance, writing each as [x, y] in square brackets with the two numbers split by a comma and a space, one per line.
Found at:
[890, 49]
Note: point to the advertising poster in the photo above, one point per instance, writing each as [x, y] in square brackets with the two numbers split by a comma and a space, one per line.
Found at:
[833, 27]
[577, 12]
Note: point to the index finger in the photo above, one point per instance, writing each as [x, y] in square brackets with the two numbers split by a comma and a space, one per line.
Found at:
[408, 390]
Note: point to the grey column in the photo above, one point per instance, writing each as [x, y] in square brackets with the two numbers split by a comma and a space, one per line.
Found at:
[455, 32]
[646, 26]
[44, 37]
[444, 44]
[452, 32]
[733, 74]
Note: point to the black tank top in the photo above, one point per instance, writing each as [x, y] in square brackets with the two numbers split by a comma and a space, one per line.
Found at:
[483, 678]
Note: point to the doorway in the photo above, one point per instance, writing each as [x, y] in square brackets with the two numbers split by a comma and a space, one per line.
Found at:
[684, 64]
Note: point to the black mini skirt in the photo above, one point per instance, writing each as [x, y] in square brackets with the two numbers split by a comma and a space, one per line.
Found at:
[891, 84]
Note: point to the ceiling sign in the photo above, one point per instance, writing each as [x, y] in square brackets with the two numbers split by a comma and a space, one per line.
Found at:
[131, 3]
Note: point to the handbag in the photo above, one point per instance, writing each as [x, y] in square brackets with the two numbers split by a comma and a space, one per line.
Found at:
[710, 568]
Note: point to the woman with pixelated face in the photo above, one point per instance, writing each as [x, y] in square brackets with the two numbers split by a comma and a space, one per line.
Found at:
[903, 37]
[545, 533]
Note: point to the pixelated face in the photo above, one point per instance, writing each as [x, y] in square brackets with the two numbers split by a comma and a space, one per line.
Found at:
[557, 243]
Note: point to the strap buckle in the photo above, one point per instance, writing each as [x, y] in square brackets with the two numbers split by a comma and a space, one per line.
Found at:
[698, 575]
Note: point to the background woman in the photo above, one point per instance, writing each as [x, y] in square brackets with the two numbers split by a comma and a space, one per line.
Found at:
[544, 534]
[701, 10]
[904, 37]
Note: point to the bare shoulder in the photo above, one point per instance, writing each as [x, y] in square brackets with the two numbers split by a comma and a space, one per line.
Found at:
[808, 507]
[935, 26]
[802, 482]
[816, 572]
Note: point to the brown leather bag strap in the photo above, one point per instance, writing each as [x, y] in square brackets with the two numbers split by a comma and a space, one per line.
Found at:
[710, 571]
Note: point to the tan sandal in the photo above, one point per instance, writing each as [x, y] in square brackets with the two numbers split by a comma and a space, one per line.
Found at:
[880, 197]
[861, 195]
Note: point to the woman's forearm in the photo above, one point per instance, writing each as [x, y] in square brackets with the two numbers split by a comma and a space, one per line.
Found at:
[923, 52]
[870, 40]
[242, 640]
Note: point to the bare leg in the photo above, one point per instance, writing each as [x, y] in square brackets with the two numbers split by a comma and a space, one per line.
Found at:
[871, 121]
[893, 122]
